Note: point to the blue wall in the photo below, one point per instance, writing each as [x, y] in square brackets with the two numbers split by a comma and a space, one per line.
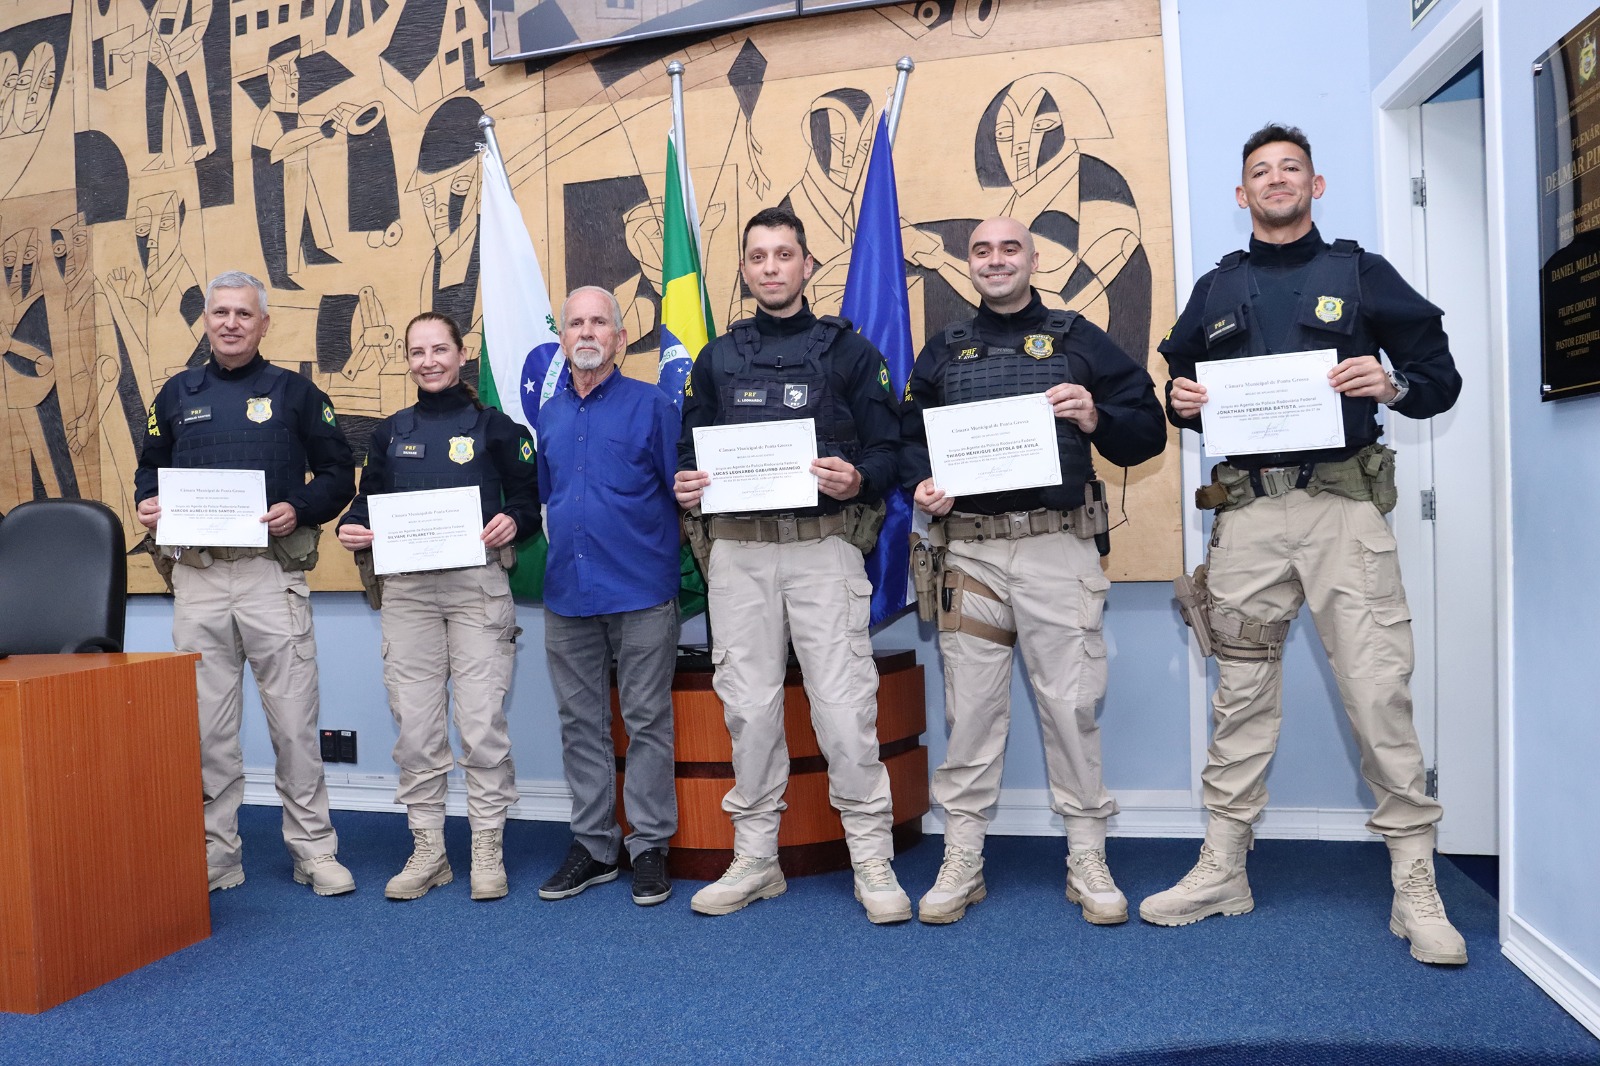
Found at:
[1555, 466]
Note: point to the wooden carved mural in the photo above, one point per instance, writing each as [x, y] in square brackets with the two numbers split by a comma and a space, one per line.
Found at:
[330, 147]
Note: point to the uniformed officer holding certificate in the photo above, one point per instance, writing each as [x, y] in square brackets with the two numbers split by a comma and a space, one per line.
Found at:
[234, 412]
[1021, 567]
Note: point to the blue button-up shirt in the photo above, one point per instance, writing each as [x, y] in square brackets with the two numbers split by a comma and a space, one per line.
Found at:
[606, 463]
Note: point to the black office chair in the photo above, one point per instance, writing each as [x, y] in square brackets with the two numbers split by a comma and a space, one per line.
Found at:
[63, 578]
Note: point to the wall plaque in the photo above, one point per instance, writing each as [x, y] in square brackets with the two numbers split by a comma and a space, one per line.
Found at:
[1566, 94]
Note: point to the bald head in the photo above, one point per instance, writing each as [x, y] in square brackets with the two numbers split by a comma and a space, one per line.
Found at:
[1001, 261]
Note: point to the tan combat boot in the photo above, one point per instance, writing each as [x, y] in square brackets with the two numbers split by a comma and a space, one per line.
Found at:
[488, 864]
[1418, 914]
[427, 868]
[1089, 885]
[958, 886]
[1216, 885]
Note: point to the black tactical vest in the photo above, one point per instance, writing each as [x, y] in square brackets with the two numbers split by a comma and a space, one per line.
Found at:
[1327, 314]
[444, 453]
[974, 370]
[241, 424]
[772, 379]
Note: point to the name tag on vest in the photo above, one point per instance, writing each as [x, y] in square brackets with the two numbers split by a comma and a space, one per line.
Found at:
[195, 414]
[410, 451]
[1228, 323]
[750, 398]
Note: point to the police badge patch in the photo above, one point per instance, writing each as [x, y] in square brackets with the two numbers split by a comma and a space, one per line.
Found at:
[1039, 345]
[258, 408]
[461, 449]
[1330, 308]
[795, 396]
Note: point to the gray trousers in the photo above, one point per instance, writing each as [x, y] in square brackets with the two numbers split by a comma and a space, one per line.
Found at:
[580, 650]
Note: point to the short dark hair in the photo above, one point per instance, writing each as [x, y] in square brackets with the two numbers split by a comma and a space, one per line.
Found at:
[1272, 133]
[773, 218]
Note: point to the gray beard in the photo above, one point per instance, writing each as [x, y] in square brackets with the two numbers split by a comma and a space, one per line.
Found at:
[588, 360]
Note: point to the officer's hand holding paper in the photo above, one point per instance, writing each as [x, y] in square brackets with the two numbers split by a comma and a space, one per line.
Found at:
[993, 445]
[1270, 403]
[211, 508]
[758, 466]
[432, 529]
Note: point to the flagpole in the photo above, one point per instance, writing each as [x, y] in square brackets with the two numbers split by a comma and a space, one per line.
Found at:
[675, 72]
[486, 124]
[905, 67]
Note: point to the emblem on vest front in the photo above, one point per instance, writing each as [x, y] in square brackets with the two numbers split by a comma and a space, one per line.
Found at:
[1330, 308]
[749, 397]
[461, 449]
[1039, 345]
[795, 396]
[258, 408]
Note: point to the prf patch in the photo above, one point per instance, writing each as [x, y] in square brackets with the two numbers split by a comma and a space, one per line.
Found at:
[411, 450]
[201, 413]
[907, 397]
[461, 449]
[796, 396]
[883, 378]
[749, 397]
[525, 451]
[258, 408]
[327, 412]
[1330, 308]
[1039, 345]
[152, 426]
[966, 354]
[1223, 326]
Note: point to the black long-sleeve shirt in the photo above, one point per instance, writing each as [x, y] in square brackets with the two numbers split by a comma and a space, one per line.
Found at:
[519, 473]
[1407, 328]
[328, 454]
[856, 372]
[1130, 429]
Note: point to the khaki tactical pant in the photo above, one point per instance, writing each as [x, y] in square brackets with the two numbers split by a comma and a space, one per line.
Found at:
[815, 592]
[444, 631]
[1054, 595]
[252, 609]
[1337, 556]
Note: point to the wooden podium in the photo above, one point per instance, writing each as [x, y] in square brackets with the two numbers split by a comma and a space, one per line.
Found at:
[102, 835]
[810, 837]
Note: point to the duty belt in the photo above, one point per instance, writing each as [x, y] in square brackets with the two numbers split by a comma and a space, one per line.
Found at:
[774, 529]
[1011, 526]
[1274, 481]
[228, 555]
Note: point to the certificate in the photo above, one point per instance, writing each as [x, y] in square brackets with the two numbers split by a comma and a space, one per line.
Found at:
[993, 445]
[1271, 403]
[431, 529]
[759, 466]
[212, 508]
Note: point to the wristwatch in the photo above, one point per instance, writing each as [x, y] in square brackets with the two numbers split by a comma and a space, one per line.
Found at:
[1401, 387]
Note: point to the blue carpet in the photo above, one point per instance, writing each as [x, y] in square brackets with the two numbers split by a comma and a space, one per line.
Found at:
[1313, 976]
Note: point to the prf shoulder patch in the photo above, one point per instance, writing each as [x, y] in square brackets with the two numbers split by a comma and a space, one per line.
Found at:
[327, 412]
[152, 426]
[1330, 308]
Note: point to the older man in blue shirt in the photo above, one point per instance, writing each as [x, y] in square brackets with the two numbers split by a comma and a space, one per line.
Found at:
[607, 455]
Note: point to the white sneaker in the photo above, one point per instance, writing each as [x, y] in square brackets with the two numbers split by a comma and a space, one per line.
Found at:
[1418, 915]
[748, 879]
[959, 885]
[1089, 885]
[880, 892]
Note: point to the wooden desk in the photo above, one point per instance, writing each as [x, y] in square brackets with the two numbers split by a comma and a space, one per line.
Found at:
[102, 835]
[810, 837]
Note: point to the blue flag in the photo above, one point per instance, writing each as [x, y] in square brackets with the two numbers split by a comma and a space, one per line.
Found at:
[875, 301]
